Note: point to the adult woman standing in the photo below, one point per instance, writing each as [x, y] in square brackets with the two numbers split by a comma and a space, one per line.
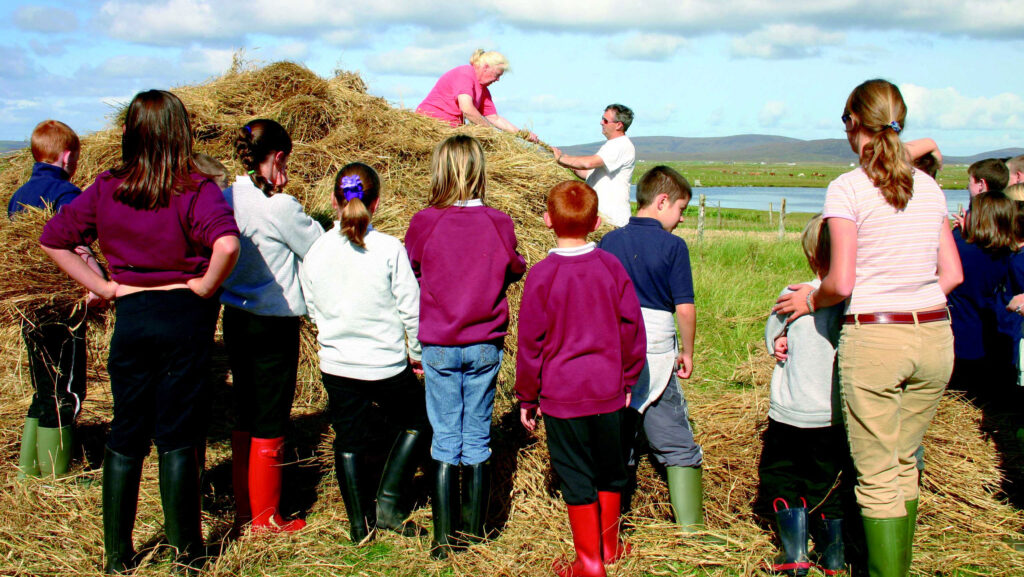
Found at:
[462, 94]
[170, 240]
[894, 257]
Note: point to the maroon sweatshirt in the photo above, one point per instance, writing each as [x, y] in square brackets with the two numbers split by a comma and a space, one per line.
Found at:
[145, 248]
[464, 258]
[582, 342]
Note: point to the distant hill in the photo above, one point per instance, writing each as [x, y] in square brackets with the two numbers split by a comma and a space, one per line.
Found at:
[756, 148]
[11, 145]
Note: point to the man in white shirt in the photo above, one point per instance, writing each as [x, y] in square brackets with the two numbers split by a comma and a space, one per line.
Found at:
[609, 171]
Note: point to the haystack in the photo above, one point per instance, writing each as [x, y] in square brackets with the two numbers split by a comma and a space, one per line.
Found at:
[54, 527]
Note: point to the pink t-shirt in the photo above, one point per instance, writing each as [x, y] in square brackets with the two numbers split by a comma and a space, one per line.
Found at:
[442, 102]
[897, 251]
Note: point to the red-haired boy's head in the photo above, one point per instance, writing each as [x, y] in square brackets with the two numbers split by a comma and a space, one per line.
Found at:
[51, 139]
[572, 209]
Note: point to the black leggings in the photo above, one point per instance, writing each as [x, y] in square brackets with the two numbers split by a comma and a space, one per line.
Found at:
[264, 356]
[158, 370]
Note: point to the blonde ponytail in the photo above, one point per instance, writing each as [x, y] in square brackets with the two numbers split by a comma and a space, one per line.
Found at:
[876, 108]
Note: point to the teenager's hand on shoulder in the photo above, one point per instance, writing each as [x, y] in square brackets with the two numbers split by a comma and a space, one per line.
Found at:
[685, 363]
[781, 349]
[528, 417]
[794, 303]
[417, 367]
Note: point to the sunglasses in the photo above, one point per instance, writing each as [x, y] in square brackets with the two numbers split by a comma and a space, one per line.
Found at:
[846, 117]
[606, 121]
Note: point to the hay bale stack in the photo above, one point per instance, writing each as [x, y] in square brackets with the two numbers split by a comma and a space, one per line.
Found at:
[332, 122]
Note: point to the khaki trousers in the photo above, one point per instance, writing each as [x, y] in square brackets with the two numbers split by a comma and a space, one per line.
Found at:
[892, 377]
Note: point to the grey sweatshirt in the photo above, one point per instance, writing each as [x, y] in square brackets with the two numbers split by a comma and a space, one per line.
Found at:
[804, 389]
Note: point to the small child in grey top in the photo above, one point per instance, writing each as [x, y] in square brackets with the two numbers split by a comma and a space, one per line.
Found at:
[805, 445]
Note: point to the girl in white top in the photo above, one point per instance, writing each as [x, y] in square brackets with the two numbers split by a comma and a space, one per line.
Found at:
[262, 314]
[894, 258]
[361, 292]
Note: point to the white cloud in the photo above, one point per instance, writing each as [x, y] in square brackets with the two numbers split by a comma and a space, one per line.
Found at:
[948, 109]
[771, 113]
[417, 61]
[170, 23]
[46, 19]
[206, 61]
[344, 37]
[649, 47]
[785, 41]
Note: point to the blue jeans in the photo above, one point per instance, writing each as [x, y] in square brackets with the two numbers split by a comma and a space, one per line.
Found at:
[460, 400]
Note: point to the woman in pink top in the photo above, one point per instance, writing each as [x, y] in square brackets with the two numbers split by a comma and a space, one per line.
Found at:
[894, 258]
[462, 94]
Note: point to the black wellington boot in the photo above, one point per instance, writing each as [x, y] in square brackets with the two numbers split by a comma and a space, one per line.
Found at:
[392, 506]
[349, 468]
[179, 494]
[121, 476]
[829, 552]
[445, 510]
[792, 526]
[476, 495]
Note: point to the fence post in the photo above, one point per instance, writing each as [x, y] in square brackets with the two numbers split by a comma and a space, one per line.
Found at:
[782, 219]
[700, 219]
[770, 207]
[719, 215]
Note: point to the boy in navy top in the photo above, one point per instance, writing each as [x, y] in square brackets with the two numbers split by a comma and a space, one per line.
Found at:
[658, 263]
[56, 347]
[581, 349]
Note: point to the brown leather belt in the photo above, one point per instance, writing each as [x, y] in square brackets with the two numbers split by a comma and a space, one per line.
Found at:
[896, 318]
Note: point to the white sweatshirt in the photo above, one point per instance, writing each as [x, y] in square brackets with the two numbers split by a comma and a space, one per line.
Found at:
[366, 305]
[276, 233]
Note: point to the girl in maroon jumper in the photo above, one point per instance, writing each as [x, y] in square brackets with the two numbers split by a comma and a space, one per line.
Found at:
[464, 255]
[171, 240]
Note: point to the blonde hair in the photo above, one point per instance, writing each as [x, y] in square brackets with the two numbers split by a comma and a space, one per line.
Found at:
[817, 244]
[1015, 192]
[458, 171]
[491, 58]
[354, 214]
[877, 108]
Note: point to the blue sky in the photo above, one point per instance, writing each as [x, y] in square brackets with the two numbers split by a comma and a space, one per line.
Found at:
[686, 67]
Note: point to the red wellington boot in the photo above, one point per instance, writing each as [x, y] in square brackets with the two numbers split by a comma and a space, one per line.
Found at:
[585, 521]
[265, 461]
[612, 548]
[240, 441]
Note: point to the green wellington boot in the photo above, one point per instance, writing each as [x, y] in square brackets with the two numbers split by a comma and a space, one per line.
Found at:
[28, 463]
[887, 546]
[54, 450]
[686, 492]
[911, 527]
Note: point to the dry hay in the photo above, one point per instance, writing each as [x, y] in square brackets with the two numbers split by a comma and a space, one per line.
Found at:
[54, 528]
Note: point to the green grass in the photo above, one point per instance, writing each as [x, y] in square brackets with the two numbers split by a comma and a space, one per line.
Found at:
[779, 174]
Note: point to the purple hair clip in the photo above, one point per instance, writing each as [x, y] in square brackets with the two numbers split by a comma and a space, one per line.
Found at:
[895, 126]
[352, 187]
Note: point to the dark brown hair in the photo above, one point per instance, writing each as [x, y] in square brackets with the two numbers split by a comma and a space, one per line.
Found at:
[993, 171]
[874, 107]
[51, 138]
[572, 208]
[355, 213]
[156, 151]
[662, 180]
[991, 222]
[257, 140]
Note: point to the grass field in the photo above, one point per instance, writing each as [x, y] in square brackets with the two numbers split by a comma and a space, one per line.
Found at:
[779, 174]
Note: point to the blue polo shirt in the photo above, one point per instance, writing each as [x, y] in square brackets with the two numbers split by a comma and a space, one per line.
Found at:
[657, 261]
[974, 304]
[48, 184]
